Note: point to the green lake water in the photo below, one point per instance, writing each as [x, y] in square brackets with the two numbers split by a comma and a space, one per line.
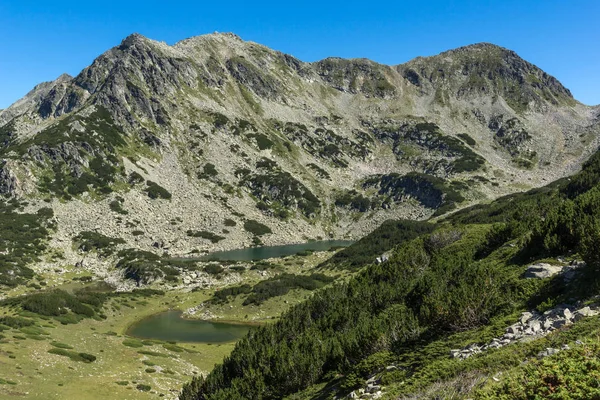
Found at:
[263, 252]
[170, 325]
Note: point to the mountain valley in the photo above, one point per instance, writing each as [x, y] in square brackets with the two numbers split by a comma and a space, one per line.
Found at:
[452, 175]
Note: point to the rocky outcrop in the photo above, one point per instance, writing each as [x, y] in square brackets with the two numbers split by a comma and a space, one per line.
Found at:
[8, 180]
[545, 270]
[542, 271]
[46, 99]
[372, 390]
[531, 325]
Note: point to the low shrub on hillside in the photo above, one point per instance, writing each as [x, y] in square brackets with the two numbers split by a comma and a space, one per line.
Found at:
[155, 191]
[256, 228]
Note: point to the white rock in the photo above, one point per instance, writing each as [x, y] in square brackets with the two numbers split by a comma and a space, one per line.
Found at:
[526, 316]
[535, 326]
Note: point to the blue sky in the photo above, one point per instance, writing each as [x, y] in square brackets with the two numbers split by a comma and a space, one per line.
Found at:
[39, 40]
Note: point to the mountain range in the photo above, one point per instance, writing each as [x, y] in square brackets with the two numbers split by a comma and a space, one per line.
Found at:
[185, 148]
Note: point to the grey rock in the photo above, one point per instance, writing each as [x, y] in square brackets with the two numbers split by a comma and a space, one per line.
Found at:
[542, 271]
[559, 323]
[548, 352]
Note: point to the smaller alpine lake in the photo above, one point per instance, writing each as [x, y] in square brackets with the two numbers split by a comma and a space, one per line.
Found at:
[171, 326]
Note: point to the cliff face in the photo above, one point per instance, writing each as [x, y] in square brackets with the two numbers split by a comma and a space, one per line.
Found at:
[234, 130]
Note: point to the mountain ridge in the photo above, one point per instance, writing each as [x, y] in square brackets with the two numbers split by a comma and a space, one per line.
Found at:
[314, 150]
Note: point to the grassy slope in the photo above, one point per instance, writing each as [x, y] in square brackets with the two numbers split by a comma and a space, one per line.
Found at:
[48, 376]
[457, 286]
[29, 371]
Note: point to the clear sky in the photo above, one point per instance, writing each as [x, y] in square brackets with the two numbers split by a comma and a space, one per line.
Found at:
[39, 40]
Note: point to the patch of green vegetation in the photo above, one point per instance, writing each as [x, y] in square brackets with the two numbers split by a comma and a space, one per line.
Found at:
[229, 222]
[324, 143]
[430, 191]
[63, 306]
[7, 135]
[262, 141]
[208, 171]
[282, 284]
[353, 200]
[214, 269]
[135, 178]
[155, 191]
[223, 295]
[278, 190]
[509, 134]
[571, 374]
[94, 241]
[82, 357]
[523, 163]
[61, 345]
[256, 228]
[33, 330]
[59, 148]
[24, 238]
[173, 347]
[389, 235]
[15, 322]
[144, 266]
[135, 343]
[321, 173]
[101, 176]
[143, 388]
[117, 206]
[152, 353]
[205, 235]
[467, 139]
[429, 137]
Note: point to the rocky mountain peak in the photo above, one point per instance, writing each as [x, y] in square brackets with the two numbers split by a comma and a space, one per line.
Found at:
[132, 40]
[485, 69]
[37, 99]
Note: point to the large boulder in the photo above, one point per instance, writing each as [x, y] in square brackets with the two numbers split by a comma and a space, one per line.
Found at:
[542, 271]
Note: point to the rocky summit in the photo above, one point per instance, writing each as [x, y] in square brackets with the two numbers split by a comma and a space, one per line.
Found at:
[218, 143]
